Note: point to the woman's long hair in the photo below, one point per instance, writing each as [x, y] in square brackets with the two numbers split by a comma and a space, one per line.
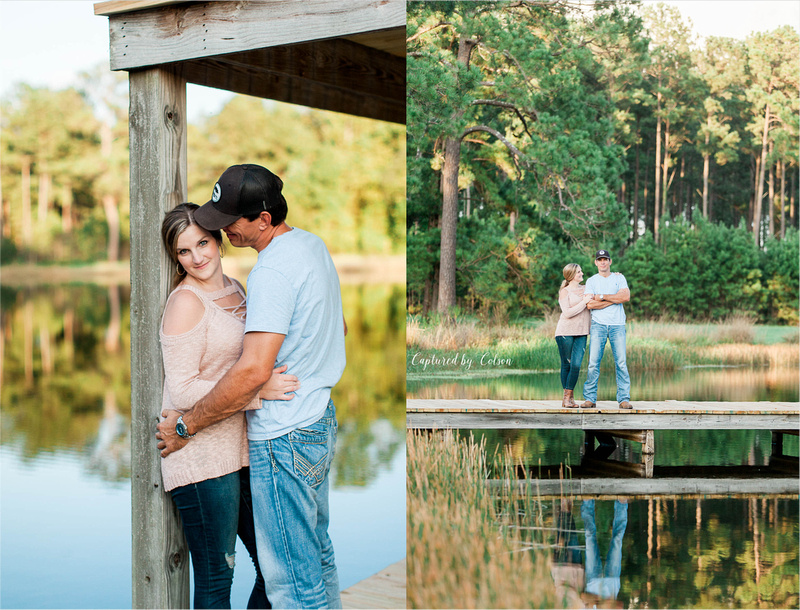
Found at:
[570, 271]
[176, 221]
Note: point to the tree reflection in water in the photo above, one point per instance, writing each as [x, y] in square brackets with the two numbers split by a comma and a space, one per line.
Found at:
[66, 376]
[699, 551]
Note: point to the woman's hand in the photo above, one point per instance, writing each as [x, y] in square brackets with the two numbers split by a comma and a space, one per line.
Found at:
[279, 385]
[587, 296]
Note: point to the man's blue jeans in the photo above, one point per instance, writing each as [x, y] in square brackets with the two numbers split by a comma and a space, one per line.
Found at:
[213, 512]
[289, 479]
[614, 334]
[605, 583]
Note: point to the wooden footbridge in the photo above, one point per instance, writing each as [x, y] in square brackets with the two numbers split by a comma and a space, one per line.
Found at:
[645, 415]
[637, 425]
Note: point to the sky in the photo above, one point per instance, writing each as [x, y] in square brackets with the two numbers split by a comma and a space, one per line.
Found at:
[48, 43]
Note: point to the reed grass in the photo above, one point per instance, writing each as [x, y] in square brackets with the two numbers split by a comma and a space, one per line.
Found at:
[651, 345]
[780, 355]
[463, 551]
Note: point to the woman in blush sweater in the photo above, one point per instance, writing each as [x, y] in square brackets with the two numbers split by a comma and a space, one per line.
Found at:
[572, 329]
[202, 330]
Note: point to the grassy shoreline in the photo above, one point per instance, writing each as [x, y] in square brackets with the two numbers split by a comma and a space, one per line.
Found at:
[666, 346]
[352, 268]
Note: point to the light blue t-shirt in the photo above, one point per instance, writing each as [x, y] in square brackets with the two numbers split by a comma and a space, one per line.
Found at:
[293, 290]
[613, 315]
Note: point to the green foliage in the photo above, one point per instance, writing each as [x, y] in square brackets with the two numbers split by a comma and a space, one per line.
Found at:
[781, 271]
[576, 96]
[343, 175]
[536, 139]
[709, 271]
[340, 173]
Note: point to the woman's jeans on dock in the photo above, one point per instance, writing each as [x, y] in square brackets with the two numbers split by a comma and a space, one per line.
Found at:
[615, 335]
[213, 512]
[571, 349]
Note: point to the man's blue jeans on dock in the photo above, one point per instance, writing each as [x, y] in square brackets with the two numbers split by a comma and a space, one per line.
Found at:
[604, 583]
[289, 479]
[614, 334]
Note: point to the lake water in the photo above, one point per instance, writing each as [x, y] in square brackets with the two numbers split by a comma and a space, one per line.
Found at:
[65, 520]
[712, 549]
[691, 383]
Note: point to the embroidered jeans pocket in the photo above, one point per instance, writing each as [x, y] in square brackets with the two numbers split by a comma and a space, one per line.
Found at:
[310, 453]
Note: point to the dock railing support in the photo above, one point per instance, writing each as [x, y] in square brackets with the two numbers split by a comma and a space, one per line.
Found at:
[160, 561]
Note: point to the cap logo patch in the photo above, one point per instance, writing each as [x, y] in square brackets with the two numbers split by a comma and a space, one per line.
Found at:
[217, 193]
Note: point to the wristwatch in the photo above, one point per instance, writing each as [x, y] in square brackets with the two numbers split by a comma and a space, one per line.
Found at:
[601, 297]
[182, 430]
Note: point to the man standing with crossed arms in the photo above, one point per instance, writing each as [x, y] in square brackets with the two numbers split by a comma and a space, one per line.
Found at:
[610, 291]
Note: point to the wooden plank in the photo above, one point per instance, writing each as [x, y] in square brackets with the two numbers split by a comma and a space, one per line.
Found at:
[203, 29]
[114, 7]
[636, 436]
[339, 76]
[386, 589]
[649, 445]
[784, 463]
[613, 467]
[663, 487]
[501, 421]
[388, 41]
[646, 415]
[158, 183]
[425, 405]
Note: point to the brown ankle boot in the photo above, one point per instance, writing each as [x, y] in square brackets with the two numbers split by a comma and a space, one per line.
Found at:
[568, 402]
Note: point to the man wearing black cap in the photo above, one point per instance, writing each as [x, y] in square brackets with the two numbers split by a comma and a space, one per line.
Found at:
[294, 318]
[610, 291]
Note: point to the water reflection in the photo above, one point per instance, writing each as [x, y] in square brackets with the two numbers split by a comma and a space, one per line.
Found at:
[588, 578]
[697, 383]
[716, 526]
[66, 418]
[66, 376]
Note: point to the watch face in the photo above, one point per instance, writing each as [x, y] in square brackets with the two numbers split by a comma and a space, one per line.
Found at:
[180, 428]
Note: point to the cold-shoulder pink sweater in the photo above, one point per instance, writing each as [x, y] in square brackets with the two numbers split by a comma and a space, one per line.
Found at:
[575, 318]
[193, 363]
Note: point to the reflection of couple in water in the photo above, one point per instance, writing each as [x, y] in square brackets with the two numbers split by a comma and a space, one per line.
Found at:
[593, 584]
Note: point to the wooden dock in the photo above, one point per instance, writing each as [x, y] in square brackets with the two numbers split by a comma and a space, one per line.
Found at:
[386, 589]
[666, 482]
[646, 415]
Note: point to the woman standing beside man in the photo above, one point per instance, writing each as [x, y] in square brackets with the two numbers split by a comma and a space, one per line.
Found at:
[572, 330]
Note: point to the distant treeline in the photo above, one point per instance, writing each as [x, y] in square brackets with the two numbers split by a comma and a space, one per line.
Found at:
[65, 175]
[541, 132]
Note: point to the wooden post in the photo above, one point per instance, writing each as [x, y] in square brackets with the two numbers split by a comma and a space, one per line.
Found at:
[777, 443]
[158, 183]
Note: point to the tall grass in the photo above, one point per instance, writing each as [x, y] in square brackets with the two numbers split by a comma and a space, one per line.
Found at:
[461, 551]
[651, 345]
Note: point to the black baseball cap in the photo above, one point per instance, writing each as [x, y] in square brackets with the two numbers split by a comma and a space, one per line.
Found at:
[600, 254]
[240, 191]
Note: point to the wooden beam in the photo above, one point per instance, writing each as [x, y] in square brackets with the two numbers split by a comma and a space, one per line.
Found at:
[689, 485]
[157, 124]
[204, 29]
[113, 7]
[335, 75]
[646, 415]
